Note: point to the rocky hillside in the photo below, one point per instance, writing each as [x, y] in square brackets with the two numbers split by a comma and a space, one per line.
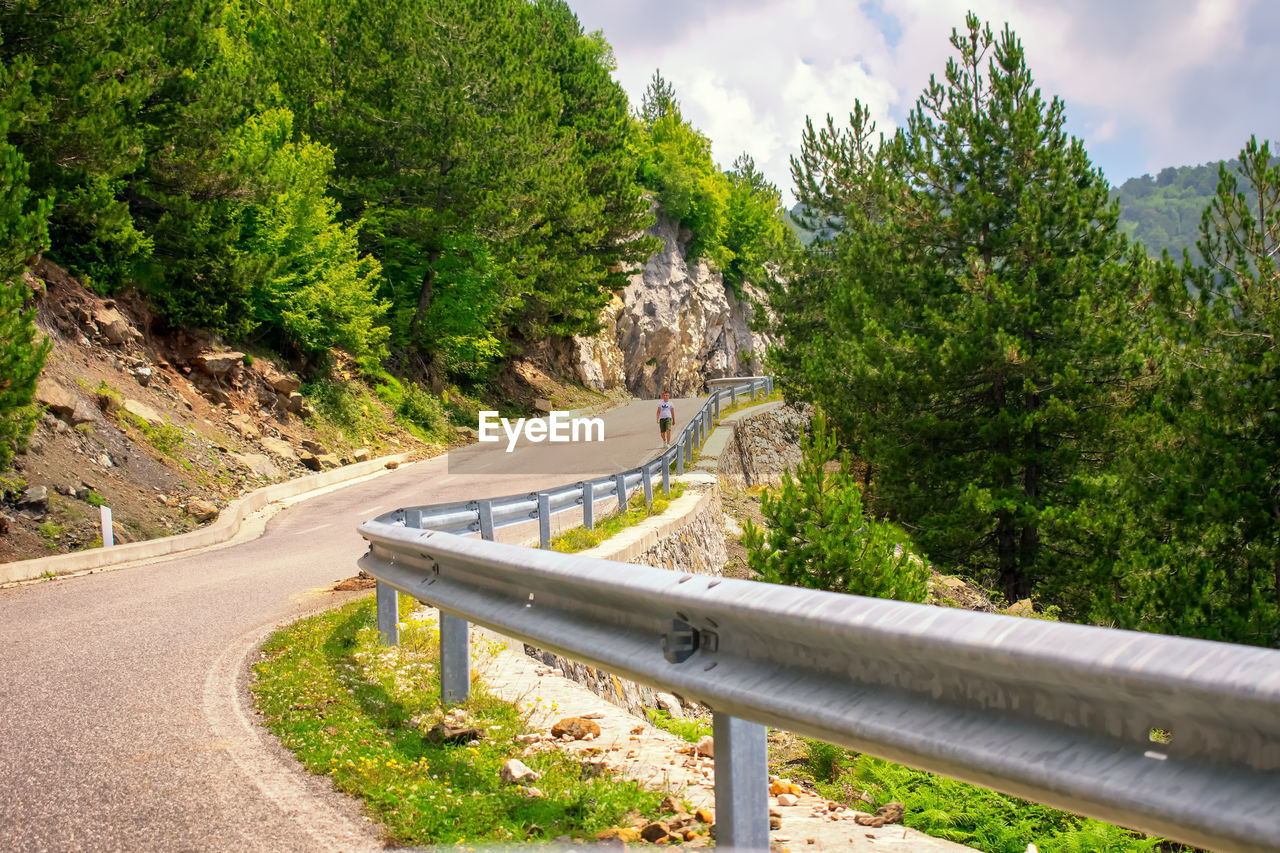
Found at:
[675, 326]
[164, 429]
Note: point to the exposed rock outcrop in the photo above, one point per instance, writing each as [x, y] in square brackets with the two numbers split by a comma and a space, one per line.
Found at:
[675, 326]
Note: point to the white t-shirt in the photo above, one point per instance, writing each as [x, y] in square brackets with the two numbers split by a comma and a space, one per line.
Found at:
[666, 410]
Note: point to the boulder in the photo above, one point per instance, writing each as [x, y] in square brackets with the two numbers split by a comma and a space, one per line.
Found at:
[202, 510]
[314, 447]
[310, 460]
[294, 402]
[279, 447]
[220, 363]
[143, 375]
[244, 425]
[142, 410]
[258, 464]
[542, 404]
[64, 403]
[113, 326]
[360, 454]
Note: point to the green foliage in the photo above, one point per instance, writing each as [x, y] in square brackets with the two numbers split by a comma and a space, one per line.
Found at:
[967, 330]
[22, 351]
[416, 408]
[963, 813]
[359, 712]
[1163, 213]
[736, 218]
[691, 730]
[819, 536]
[1196, 550]
[167, 437]
[92, 498]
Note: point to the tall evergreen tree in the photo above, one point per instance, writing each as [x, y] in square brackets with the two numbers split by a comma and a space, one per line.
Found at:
[976, 338]
[23, 234]
[1200, 555]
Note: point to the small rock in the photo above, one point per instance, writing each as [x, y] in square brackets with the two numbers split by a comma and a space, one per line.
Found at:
[294, 402]
[360, 454]
[314, 447]
[244, 425]
[283, 383]
[391, 465]
[655, 832]
[706, 745]
[671, 804]
[669, 703]
[775, 822]
[35, 498]
[258, 464]
[1020, 608]
[113, 325]
[577, 728]
[64, 403]
[705, 815]
[532, 792]
[202, 510]
[516, 771]
[542, 404]
[142, 410]
[143, 375]
[788, 799]
[622, 833]
[445, 733]
[888, 813]
[310, 460]
[219, 363]
[279, 447]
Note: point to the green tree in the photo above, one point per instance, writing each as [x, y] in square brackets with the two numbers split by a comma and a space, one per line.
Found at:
[23, 234]
[818, 535]
[659, 99]
[1200, 555]
[976, 333]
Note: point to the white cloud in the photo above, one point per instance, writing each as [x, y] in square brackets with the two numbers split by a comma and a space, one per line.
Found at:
[1148, 83]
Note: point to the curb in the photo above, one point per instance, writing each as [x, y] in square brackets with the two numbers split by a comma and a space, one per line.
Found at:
[224, 528]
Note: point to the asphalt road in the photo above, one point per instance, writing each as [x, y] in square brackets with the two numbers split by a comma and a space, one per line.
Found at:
[124, 718]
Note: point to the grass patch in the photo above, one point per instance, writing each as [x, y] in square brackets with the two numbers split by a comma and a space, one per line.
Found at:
[51, 533]
[746, 403]
[580, 539]
[690, 730]
[92, 498]
[168, 438]
[358, 712]
[959, 812]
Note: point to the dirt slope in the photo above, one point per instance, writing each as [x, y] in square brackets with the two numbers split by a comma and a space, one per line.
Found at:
[164, 428]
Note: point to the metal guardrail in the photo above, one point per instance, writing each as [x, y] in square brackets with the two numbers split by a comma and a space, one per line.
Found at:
[1069, 715]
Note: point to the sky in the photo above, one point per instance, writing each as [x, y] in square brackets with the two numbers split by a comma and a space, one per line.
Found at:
[1146, 83]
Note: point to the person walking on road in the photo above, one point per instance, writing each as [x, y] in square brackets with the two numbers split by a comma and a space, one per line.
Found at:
[666, 417]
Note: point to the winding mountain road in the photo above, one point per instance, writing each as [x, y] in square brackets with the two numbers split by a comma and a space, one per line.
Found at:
[125, 723]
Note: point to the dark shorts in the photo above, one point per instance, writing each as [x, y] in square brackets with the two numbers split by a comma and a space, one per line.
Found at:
[664, 425]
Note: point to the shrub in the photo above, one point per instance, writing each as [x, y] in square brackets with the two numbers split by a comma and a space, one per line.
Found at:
[819, 536]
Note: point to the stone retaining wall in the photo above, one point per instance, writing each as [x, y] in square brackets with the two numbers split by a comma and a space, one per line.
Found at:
[763, 446]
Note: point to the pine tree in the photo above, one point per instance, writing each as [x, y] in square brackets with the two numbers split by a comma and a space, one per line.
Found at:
[659, 99]
[818, 535]
[1200, 554]
[23, 234]
[976, 329]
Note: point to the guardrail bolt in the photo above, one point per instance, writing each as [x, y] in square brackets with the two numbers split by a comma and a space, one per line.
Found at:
[679, 644]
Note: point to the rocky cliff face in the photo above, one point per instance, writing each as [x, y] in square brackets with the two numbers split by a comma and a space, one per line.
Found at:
[675, 326]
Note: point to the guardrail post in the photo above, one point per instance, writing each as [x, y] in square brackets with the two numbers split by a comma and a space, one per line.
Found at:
[620, 483]
[706, 423]
[715, 401]
[486, 520]
[544, 520]
[388, 614]
[455, 659]
[680, 457]
[588, 505]
[742, 783]
[647, 476]
[666, 476]
[688, 446]
[733, 395]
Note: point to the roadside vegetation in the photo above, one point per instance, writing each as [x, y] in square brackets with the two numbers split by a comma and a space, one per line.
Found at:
[580, 539]
[361, 713]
